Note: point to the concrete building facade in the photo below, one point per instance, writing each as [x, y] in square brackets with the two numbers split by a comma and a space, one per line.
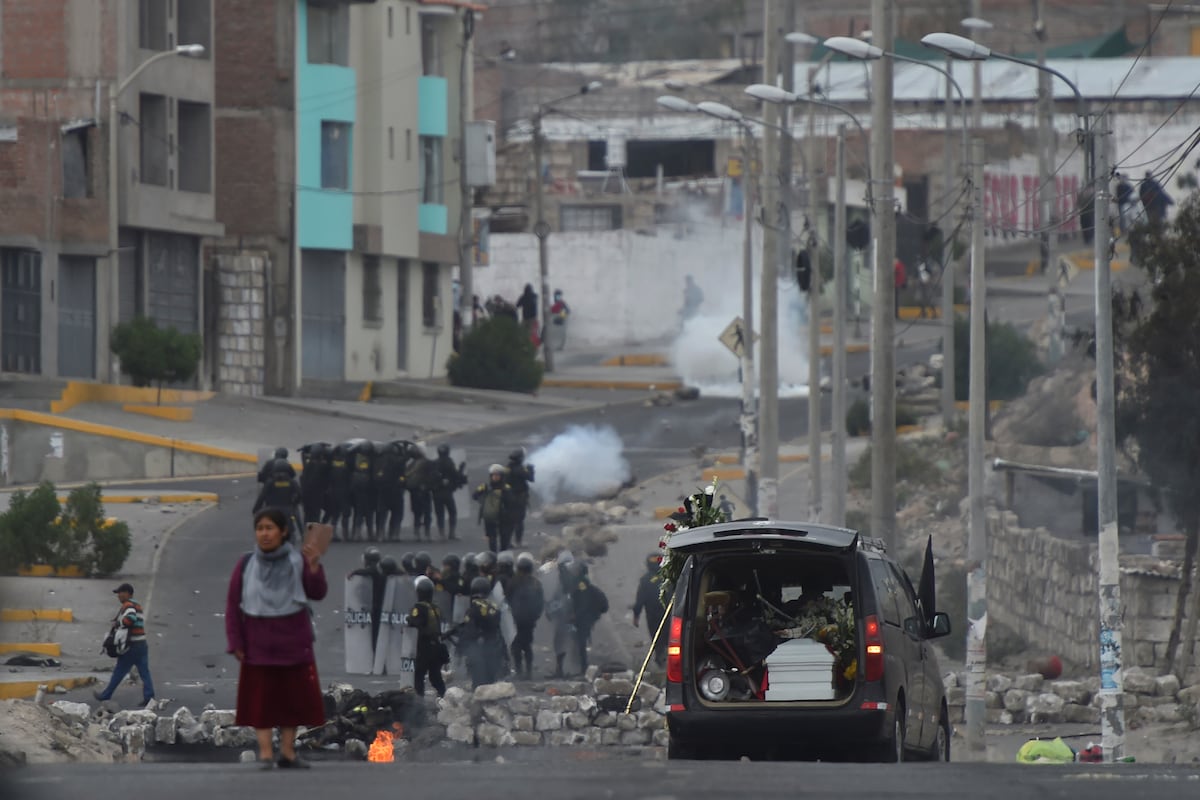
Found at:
[63, 283]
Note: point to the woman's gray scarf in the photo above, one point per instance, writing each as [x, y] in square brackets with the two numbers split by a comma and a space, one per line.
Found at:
[272, 585]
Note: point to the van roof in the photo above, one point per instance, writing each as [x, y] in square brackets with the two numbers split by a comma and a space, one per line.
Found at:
[767, 530]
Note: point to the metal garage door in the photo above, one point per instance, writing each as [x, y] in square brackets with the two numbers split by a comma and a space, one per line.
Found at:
[172, 265]
[21, 312]
[323, 318]
[76, 317]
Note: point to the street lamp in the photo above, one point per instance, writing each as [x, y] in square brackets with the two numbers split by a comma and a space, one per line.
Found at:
[114, 248]
[1112, 714]
[541, 229]
[773, 94]
[857, 48]
[749, 411]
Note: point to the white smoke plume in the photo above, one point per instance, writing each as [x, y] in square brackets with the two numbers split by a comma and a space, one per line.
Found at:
[582, 462]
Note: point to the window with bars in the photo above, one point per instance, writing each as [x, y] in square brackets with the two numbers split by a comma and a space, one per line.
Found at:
[589, 218]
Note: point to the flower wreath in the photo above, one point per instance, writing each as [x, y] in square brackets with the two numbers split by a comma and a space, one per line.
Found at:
[697, 510]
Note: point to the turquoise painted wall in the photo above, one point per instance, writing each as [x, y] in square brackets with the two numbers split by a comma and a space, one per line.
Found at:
[431, 218]
[324, 217]
[432, 120]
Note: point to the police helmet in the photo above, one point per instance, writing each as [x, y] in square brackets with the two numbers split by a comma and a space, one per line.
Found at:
[406, 561]
[481, 587]
[486, 561]
[443, 450]
[525, 562]
[388, 565]
[371, 556]
[422, 561]
[517, 455]
[565, 557]
[496, 469]
[424, 588]
[453, 561]
[416, 451]
[281, 452]
[506, 557]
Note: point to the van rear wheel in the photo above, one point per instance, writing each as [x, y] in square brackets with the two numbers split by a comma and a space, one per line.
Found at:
[891, 749]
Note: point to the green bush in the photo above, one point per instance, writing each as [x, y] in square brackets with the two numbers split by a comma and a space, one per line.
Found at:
[37, 530]
[152, 354]
[496, 354]
[28, 532]
[1012, 360]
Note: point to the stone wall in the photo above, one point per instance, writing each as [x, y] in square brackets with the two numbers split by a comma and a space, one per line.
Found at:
[240, 351]
[1043, 588]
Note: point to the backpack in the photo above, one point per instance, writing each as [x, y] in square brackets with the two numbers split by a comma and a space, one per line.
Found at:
[492, 502]
[116, 643]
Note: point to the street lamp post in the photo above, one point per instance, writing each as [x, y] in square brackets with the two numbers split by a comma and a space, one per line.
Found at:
[1112, 714]
[749, 412]
[541, 228]
[857, 48]
[773, 94]
[114, 182]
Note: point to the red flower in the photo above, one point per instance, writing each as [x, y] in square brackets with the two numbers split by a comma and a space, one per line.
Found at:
[682, 510]
[662, 544]
[670, 526]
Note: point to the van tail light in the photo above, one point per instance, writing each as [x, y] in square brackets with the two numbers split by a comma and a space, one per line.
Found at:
[873, 639]
[675, 651]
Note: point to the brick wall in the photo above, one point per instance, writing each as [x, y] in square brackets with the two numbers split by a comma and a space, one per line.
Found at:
[1043, 588]
[254, 53]
[241, 314]
[249, 190]
[34, 39]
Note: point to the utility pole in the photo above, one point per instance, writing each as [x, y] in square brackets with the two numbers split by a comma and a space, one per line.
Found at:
[1112, 700]
[542, 230]
[976, 664]
[976, 75]
[749, 420]
[838, 457]
[814, 312]
[768, 418]
[883, 356]
[787, 71]
[948, 379]
[466, 260]
[1047, 191]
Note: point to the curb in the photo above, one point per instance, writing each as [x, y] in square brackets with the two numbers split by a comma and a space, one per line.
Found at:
[636, 360]
[162, 497]
[162, 546]
[41, 648]
[856, 347]
[36, 615]
[22, 690]
[171, 413]
[667, 385]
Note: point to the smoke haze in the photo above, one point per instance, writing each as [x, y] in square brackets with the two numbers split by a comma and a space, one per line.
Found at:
[582, 462]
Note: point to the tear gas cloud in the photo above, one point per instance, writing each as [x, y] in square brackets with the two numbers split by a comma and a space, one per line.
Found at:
[582, 462]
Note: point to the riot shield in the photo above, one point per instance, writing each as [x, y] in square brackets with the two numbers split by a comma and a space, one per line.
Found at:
[508, 626]
[461, 603]
[356, 618]
[396, 659]
[560, 614]
[445, 604]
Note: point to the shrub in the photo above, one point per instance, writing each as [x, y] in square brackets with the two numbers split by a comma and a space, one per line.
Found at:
[496, 354]
[151, 354]
[859, 521]
[1012, 360]
[37, 530]
[28, 533]
[87, 540]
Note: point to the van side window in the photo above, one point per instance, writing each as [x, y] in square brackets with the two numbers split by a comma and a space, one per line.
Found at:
[885, 591]
[906, 599]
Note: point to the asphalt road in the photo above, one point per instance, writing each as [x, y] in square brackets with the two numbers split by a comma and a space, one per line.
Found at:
[585, 774]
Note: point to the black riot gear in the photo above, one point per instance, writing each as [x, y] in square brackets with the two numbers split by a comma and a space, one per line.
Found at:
[447, 479]
[519, 476]
[443, 450]
[388, 565]
[424, 588]
[481, 587]
[406, 561]
[390, 489]
[371, 557]
[362, 488]
[337, 499]
[314, 479]
[422, 561]
[281, 452]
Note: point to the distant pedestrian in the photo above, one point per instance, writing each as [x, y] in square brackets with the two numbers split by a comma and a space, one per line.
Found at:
[268, 628]
[527, 304]
[1154, 199]
[647, 601]
[726, 508]
[478, 312]
[1127, 201]
[560, 312]
[132, 618]
[693, 298]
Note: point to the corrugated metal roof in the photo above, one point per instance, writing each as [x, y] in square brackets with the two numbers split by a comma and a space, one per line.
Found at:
[696, 72]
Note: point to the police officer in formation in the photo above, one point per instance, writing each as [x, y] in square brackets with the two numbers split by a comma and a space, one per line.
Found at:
[519, 475]
[314, 479]
[390, 477]
[496, 508]
[279, 487]
[648, 602]
[372, 568]
[447, 479]
[362, 489]
[337, 493]
[426, 619]
[479, 636]
[527, 601]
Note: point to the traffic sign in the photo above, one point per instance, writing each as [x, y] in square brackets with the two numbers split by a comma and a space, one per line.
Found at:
[734, 337]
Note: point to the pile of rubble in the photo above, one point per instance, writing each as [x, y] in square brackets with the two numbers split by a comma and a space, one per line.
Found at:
[1033, 699]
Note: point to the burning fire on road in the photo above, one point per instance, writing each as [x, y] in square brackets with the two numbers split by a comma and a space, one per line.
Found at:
[382, 750]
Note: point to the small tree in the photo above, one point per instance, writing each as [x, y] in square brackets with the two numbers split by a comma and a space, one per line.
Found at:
[88, 539]
[496, 354]
[1012, 360]
[28, 531]
[150, 354]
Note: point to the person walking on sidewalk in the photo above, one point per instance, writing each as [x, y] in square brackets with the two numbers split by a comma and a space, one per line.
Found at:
[268, 628]
[133, 619]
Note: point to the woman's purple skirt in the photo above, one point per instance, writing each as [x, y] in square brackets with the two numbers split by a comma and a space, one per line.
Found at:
[279, 696]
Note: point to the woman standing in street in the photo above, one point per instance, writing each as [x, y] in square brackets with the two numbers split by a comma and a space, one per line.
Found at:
[268, 627]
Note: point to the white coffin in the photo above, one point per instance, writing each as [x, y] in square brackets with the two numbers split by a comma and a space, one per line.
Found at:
[800, 669]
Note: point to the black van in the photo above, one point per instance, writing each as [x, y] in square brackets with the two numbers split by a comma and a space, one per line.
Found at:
[796, 640]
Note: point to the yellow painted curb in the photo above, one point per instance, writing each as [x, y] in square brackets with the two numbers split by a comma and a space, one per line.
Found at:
[78, 392]
[176, 497]
[14, 690]
[665, 512]
[173, 413]
[636, 360]
[722, 474]
[903, 429]
[858, 347]
[36, 615]
[47, 571]
[52, 421]
[729, 458]
[41, 648]
[965, 405]
[909, 313]
[365, 395]
[580, 383]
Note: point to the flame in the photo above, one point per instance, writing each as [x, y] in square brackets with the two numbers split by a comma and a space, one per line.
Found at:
[381, 751]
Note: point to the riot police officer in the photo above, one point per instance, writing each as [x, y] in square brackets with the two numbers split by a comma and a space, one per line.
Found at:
[480, 637]
[452, 579]
[420, 478]
[527, 600]
[280, 490]
[520, 475]
[408, 564]
[372, 567]
[314, 479]
[426, 619]
[389, 488]
[362, 488]
[447, 479]
[337, 501]
[470, 571]
[269, 466]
